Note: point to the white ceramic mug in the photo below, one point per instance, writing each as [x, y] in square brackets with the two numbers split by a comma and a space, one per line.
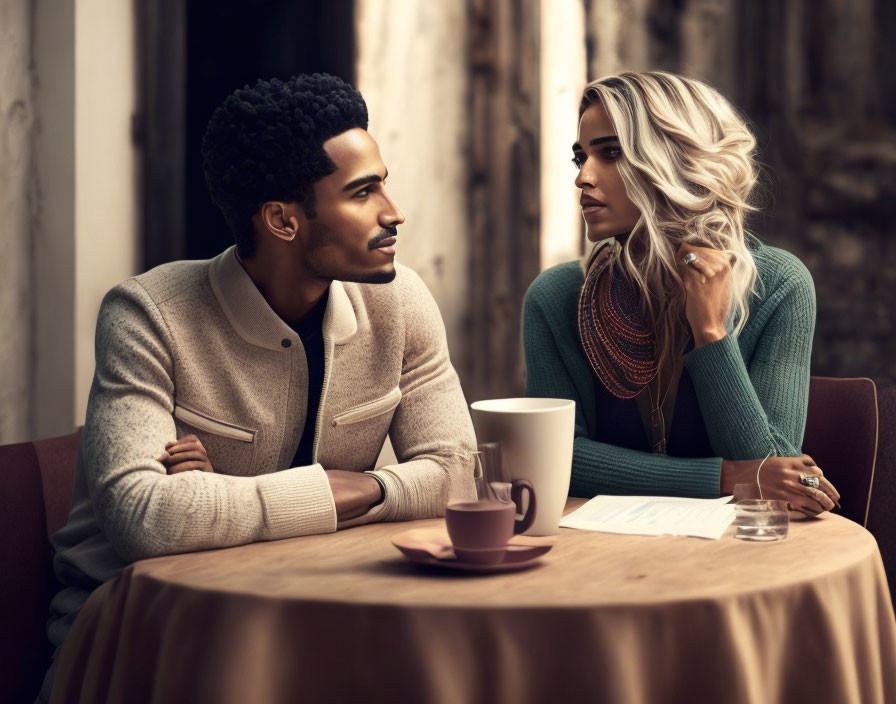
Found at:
[536, 436]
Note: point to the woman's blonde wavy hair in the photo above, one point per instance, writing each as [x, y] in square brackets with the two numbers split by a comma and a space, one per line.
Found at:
[687, 164]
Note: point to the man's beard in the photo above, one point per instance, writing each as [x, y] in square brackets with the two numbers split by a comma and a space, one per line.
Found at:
[377, 277]
[321, 235]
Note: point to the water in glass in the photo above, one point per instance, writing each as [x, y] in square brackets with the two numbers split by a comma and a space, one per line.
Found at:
[761, 519]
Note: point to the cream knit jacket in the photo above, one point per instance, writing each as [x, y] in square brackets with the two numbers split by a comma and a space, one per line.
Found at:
[193, 347]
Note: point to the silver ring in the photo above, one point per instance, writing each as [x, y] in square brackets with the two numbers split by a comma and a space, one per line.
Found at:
[807, 480]
[689, 258]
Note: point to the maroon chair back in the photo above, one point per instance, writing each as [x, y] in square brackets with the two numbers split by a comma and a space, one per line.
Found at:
[36, 480]
[881, 521]
[841, 436]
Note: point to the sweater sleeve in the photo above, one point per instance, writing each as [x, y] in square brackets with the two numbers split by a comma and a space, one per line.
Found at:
[142, 510]
[431, 431]
[553, 365]
[756, 408]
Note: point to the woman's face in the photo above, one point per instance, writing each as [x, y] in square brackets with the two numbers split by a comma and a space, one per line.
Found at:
[606, 207]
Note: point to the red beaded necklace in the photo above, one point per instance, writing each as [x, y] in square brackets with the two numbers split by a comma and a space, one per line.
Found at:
[616, 338]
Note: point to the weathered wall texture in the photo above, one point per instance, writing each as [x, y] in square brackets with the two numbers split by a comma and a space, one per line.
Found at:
[504, 189]
[824, 100]
[106, 162]
[617, 36]
[68, 199]
[54, 230]
[17, 126]
[562, 75]
[411, 71]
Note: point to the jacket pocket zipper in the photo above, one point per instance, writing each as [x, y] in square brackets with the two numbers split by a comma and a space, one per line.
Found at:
[369, 409]
[216, 427]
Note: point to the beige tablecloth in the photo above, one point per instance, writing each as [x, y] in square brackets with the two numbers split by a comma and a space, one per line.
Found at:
[606, 618]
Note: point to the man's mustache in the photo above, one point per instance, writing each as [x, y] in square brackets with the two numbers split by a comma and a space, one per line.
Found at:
[391, 231]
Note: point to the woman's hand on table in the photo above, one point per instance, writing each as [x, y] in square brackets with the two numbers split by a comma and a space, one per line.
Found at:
[353, 492]
[184, 455]
[779, 479]
[707, 282]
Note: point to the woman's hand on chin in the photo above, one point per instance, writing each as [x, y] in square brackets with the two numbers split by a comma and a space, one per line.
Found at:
[706, 274]
[779, 479]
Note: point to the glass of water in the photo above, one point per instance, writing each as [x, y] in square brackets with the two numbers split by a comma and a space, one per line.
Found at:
[761, 519]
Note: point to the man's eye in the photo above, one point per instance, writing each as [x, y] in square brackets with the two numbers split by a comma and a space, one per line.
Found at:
[578, 160]
[363, 193]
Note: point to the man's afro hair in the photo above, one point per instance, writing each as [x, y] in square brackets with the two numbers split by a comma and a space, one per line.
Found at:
[265, 143]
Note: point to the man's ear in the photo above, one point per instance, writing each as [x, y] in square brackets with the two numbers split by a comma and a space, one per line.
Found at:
[279, 219]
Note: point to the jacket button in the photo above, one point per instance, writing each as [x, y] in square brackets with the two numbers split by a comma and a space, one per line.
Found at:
[286, 343]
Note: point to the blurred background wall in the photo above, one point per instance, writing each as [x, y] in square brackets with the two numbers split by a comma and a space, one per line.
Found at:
[103, 104]
[68, 179]
[17, 128]
[411, 69]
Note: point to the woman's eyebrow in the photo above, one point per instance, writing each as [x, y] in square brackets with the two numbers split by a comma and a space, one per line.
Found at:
[597, 140]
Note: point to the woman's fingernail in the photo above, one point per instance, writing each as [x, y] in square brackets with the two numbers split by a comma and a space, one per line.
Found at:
[164, 457]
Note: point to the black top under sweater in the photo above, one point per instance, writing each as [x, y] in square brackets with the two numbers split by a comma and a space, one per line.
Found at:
[310, 330]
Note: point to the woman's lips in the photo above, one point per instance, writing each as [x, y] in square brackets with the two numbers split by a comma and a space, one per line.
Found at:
[591, 206]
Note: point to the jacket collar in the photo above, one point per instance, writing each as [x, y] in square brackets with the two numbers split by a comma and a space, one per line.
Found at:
[254, 320]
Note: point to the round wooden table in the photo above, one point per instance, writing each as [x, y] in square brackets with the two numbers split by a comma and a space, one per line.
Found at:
[603, 618]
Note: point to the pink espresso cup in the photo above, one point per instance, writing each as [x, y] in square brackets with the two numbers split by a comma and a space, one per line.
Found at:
[480, 530]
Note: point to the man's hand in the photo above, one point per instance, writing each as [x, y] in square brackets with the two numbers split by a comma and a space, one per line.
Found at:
[707, 281]
[353, 492]
[185, 454]
[780, 479]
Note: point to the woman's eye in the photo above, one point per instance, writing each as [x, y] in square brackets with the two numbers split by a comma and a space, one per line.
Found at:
[611, 153]
[578, 160]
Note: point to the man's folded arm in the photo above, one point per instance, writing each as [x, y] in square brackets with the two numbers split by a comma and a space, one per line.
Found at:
[431, 431]
[142, 510]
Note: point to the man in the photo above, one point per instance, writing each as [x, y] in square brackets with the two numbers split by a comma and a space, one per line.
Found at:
[280, 365]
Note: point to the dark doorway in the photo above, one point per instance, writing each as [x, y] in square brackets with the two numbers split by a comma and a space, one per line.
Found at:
[194, 55]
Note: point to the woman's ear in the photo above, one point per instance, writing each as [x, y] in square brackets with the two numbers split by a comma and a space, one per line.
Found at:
[278, 219]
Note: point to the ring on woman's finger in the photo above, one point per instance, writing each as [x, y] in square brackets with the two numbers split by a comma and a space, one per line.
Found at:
[807, 480]
[690, 258]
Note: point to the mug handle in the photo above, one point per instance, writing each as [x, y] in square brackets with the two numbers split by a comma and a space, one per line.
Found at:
[516, 495]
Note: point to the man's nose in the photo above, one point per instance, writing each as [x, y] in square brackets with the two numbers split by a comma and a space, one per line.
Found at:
[391, 215]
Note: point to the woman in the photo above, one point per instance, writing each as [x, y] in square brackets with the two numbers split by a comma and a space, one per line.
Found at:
[684, 342]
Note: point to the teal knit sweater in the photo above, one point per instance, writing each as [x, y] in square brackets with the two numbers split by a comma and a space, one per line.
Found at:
[752, 391]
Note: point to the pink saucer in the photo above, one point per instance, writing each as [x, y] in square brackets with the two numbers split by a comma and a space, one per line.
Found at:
[431, 546]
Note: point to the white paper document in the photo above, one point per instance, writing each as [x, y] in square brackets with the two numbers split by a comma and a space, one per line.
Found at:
[653, 515]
